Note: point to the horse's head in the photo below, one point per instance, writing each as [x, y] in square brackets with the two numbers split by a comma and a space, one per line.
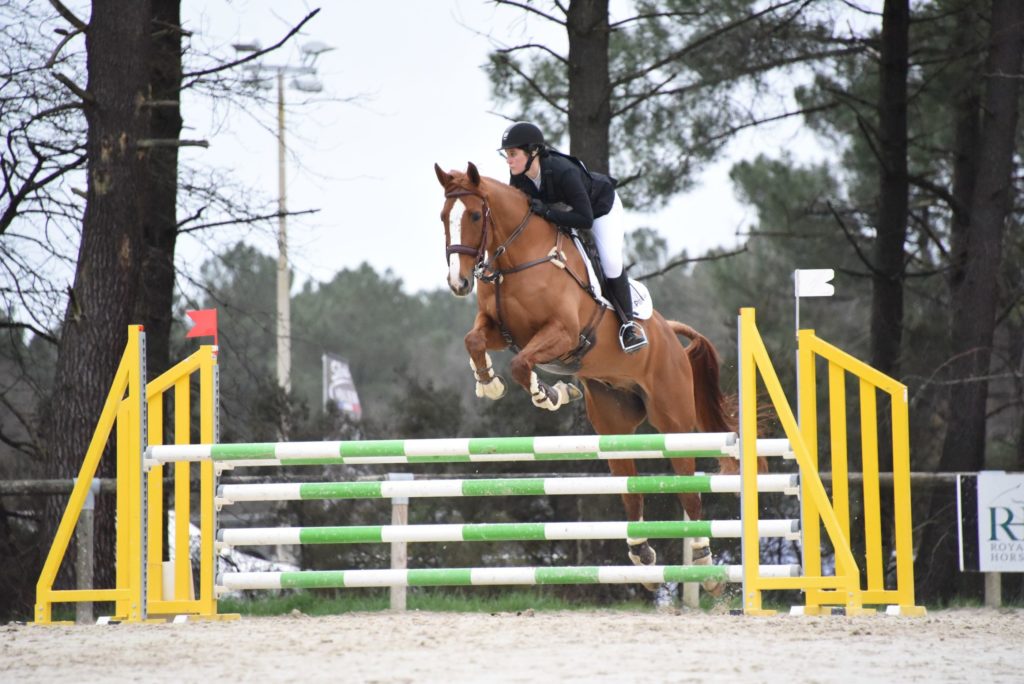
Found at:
[467, 220]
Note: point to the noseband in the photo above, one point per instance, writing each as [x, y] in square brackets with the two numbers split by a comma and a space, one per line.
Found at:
[483, 268]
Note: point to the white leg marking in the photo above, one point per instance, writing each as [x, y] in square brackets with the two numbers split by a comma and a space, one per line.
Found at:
[540, 397]
[492, 387]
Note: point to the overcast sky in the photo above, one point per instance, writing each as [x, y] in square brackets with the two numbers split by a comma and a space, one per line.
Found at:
[415, 69]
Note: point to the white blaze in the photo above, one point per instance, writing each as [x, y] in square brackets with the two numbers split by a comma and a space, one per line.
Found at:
[454, 238]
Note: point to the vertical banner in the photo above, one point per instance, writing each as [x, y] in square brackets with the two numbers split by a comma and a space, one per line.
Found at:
[1000, 521]
[339, 388]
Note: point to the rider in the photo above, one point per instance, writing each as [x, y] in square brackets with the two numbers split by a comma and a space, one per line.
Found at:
[552, 181]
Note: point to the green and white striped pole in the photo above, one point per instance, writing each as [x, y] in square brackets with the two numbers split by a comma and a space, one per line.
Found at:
[460, 577]
[464, 450]
[377, 534]
[643, 484]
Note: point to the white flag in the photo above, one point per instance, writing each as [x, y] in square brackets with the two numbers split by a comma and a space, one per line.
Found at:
[813, 282]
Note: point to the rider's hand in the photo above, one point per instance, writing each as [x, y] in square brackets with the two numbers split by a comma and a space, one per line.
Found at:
[538, 207]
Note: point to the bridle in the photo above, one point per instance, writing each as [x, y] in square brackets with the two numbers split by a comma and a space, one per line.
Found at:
[485, 271]
[483, 267]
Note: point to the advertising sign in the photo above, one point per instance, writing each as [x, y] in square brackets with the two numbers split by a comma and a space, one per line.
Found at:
[339, 387]
[992, 522]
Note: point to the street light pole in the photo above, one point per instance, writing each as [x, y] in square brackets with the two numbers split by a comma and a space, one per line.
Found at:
[284, 325]
[310, 52]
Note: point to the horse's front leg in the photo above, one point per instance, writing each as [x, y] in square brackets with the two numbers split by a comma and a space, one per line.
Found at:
[550, 342]
[485, 335]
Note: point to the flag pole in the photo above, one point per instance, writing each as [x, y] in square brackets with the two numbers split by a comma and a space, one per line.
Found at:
[808, 282]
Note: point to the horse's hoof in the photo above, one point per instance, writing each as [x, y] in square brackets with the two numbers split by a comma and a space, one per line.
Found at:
[493, 390]
[567, 392]
[702, 556]
[713, 587]
[546, 398]
[643, 554]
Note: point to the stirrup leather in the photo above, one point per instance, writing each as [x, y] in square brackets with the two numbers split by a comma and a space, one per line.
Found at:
[638, 331]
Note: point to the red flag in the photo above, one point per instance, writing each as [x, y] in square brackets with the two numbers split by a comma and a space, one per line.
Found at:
[205, 323]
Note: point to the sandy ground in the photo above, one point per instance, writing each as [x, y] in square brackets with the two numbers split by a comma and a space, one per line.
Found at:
[948, 646]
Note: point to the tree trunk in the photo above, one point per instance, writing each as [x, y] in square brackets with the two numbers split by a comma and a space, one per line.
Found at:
[155, 305]
[110, 254]
[887, 282]
[589, 85]
[974, 292]
[893, 189]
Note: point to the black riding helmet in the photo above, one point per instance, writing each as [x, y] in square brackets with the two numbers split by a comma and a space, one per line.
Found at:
[522, 134]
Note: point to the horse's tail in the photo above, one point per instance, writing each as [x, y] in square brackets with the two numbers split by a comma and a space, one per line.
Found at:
[716, 412]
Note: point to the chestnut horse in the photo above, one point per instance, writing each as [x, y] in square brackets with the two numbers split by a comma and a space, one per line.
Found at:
[532, 299]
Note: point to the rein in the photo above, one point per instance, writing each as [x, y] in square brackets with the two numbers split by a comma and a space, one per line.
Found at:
[484, 269]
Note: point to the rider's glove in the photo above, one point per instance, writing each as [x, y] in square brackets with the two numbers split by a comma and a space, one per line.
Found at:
[538, 207]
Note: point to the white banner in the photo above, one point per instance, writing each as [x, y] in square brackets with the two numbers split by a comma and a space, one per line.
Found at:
[1000, 521]
[339, 387]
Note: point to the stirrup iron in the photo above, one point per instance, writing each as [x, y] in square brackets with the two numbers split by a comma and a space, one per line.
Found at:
[639, 331]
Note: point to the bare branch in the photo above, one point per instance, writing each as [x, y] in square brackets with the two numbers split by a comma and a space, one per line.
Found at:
[650, 15]
[942, 193]
[60, 46]
[527, 46]
[170, 142]
[852, 240]
[160, 103]
[42, 334]
[708, 37]
[534, 10]
[69, 16]
[31, 185]
[84, 95]
[536, 88]
[243, 221]
[169, 28]
[254, 55]
[931, 234]
[752, 69]
[733, 130]
[682, 261]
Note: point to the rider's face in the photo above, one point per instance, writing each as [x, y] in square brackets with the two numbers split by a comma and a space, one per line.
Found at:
[516, 159]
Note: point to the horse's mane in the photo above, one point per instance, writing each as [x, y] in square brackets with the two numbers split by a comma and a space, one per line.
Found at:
[490, 186]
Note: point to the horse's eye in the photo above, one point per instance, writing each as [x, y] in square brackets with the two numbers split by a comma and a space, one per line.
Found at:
[475, 216]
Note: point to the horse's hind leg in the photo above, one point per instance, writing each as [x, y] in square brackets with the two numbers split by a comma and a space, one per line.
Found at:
[701, 545]
[673, 410]
[613, 412]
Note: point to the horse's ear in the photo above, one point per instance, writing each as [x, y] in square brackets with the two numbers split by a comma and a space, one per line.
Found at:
[442, 177]
[473, 174]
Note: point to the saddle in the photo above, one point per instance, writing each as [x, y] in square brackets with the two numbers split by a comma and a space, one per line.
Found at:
[643, 305]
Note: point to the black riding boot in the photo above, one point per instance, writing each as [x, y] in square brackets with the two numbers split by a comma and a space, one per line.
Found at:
[631, 335]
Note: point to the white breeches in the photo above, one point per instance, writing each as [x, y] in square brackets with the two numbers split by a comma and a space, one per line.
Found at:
[608, 236]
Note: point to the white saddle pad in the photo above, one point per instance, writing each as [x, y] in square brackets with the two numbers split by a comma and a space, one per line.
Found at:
[643, 306]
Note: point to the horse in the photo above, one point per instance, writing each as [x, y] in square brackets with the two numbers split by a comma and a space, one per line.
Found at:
[533, 298]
